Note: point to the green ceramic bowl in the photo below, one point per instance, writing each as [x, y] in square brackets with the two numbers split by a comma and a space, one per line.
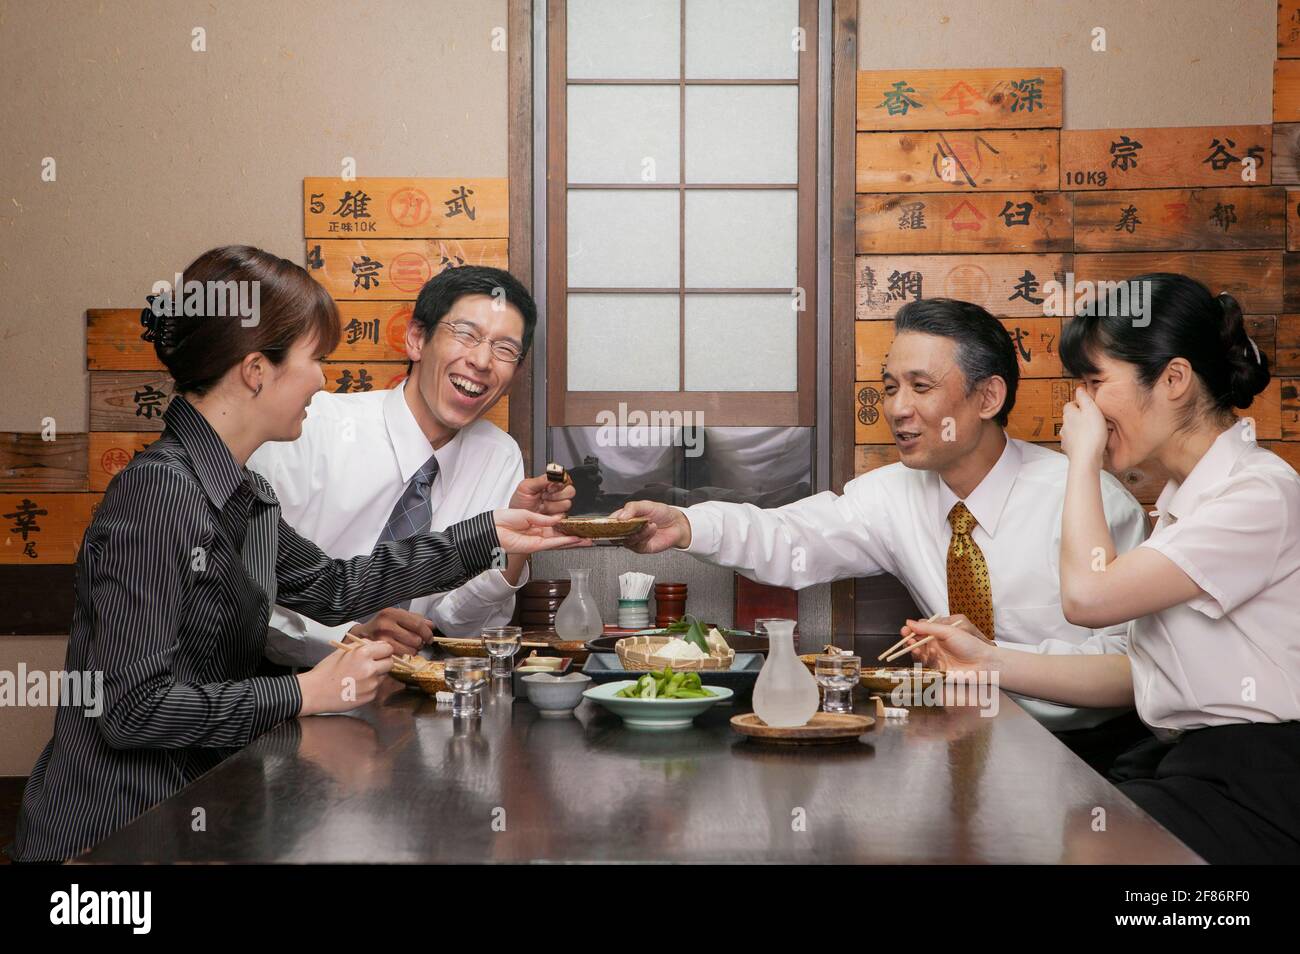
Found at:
[655, 715]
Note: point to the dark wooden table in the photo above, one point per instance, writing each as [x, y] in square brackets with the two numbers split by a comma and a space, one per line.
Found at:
[401, 781]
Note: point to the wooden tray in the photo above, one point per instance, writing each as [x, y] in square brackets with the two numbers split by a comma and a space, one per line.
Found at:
[825, 728]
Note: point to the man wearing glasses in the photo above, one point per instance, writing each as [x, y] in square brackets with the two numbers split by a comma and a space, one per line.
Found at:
[381, 465]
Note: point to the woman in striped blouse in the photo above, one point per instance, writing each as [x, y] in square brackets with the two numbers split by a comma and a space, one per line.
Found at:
[187, 554]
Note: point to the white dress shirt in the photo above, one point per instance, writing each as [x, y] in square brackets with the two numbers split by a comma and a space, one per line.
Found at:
[895, 520]
[339, 481]
[1232, 654]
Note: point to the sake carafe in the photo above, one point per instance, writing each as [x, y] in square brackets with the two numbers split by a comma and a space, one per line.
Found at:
[578, 617]
[786, 692]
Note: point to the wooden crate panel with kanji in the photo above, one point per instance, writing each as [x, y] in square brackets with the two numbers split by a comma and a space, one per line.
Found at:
[871, 343]
[44, 527]
[1180, 219]
[352, 377]
[1037, 413]
[1286, 358]
[1263, 331]
[1005, 285]
[395, 208]
[30, 462]
[1289, 401]
[1015, 98]
[1165, 157]
[110, 451]
[1286, 91]
[870, 426]
[129, 400]
[1293, 220]
[992, 160]
[370, 331]
[976, 222]
[868, 457]
[1288, 28]
[1286, 154]
[1254, 278]
[113, 341]
[391, 269]
[135, 400]
[1266, 411]
[1034, 341]
[1288, 451]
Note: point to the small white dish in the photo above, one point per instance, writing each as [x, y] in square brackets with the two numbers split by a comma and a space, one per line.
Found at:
[556, 696]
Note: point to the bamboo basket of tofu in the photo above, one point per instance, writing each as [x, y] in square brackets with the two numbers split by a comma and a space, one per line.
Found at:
[644, 653]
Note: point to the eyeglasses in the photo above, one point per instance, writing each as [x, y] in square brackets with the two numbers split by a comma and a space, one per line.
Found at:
[469, 340]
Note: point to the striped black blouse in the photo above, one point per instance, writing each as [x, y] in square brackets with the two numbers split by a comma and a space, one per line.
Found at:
[175, 582]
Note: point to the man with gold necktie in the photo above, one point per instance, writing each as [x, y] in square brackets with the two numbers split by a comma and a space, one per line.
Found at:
[969, 519]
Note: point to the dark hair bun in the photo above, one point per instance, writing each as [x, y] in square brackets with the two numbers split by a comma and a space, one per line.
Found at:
[1247, 365]
[197, 348]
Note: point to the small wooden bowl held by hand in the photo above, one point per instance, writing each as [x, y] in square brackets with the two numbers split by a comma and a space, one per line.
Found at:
[600, 528]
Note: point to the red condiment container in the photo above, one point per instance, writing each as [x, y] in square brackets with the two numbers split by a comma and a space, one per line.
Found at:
[670, 602]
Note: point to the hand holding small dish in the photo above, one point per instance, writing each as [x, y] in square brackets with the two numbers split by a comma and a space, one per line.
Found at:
[601, 530]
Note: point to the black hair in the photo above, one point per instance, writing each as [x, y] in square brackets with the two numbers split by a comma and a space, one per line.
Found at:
[1182, 320]
[450, 285]
[984, 347]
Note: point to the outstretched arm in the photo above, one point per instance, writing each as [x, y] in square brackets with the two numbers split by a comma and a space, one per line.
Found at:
[1096, 681]
[820, 538]
[335, 591]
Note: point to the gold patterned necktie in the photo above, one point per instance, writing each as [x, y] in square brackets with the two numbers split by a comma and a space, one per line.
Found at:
[969, 591]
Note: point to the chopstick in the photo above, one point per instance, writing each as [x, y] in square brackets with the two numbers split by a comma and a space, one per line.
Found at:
[907, 649]
[413, 663]
[904, 640]
[356, 641]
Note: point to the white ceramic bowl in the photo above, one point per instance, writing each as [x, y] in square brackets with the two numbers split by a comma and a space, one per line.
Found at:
[556, 696]
[657, 715]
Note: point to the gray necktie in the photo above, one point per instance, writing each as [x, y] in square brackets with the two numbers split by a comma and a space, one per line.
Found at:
[413, 512]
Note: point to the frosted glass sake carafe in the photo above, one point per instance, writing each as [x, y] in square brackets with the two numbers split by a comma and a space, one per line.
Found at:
[578, 617]
[786, 692]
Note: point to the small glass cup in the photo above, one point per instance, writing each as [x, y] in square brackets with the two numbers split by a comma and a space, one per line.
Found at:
[837, 675]
[501, 643]
[466, 675]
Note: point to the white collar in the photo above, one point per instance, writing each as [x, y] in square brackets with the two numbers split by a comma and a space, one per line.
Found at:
[409, 443]
[1179, 499]
[987, 501]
